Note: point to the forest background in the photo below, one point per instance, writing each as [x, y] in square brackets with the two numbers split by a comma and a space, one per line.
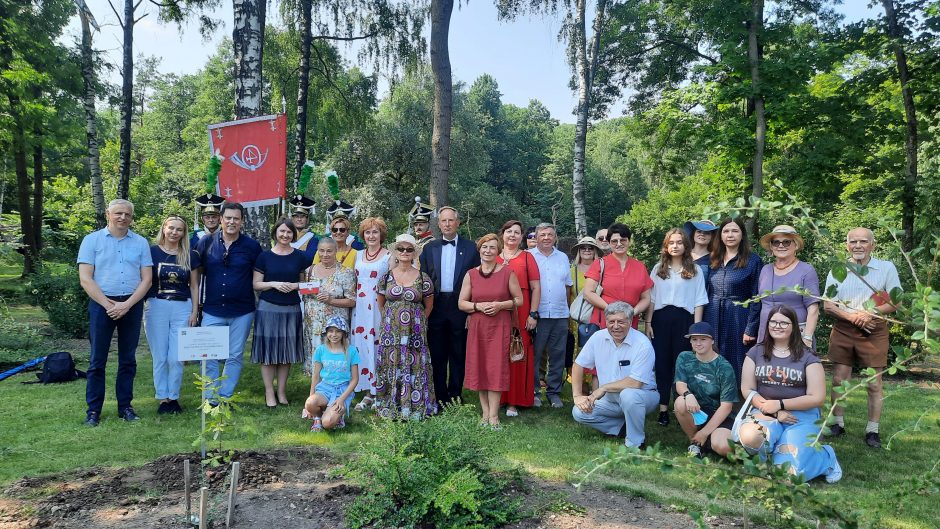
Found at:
[720, 100]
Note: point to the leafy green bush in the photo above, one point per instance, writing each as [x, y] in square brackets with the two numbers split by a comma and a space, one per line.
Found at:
[445, 472]
[17, 339]
[58, 292]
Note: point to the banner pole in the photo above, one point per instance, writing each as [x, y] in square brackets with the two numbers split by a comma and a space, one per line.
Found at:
[203, 408]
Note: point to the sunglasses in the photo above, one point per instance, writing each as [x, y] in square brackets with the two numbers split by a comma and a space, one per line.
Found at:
[530, 236]
[340, 230]
[782, 243]
[602, 239]
[404, 249]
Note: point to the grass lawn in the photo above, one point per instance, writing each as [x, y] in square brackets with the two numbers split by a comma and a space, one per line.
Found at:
[42, 432]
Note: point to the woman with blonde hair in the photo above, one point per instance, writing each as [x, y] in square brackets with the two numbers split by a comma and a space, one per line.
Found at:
[371, 265]
[173, 303]
[678, 300]
[490, 294]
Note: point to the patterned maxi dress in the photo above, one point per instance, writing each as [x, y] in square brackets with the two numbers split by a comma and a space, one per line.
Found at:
[340, 284]
[366, 318]
[404, 385]
[726, 285]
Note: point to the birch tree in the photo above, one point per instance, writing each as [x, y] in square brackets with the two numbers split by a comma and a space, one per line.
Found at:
[89, 96]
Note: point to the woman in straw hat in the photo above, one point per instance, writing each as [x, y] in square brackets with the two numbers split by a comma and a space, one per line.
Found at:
[784, 243]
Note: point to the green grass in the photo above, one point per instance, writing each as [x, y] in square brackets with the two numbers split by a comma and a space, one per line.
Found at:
[42, 432]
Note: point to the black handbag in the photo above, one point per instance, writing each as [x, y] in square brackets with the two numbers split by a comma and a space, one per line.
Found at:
[585, 331]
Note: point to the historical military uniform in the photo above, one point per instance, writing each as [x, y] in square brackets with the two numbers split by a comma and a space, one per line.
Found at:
[306, 240]
[421, 213]
[206, 205]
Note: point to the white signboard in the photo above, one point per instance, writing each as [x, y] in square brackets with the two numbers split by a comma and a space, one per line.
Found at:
[203, 343]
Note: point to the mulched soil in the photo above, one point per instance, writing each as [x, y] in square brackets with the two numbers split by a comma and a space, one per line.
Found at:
[282, 488]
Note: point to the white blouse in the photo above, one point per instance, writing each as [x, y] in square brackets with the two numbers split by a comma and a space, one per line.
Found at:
[678, 292]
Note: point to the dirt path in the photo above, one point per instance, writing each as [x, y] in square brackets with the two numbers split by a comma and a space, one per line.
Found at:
[290, 488]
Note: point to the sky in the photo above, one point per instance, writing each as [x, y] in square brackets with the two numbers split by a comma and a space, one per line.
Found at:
[524, 56]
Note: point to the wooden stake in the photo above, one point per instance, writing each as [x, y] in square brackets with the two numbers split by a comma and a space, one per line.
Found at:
[236, 466]
[187, 490]
[203, 507]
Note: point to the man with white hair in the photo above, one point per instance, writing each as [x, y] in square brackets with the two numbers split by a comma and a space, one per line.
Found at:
[114, 268]
[624, 359]
[858, 335]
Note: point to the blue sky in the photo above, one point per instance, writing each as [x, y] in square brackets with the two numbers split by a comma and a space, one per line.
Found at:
[524, 56]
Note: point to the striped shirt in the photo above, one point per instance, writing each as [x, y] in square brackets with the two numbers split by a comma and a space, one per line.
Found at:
[882, 275]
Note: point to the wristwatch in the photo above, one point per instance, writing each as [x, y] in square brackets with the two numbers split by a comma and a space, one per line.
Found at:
[534, 314]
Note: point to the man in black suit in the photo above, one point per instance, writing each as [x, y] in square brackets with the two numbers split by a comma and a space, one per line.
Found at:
[447, 260]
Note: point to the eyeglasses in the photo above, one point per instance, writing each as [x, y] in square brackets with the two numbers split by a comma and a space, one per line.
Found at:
[340, 230]
[782, 243]
[774, 324]
[404, 249]
[620, 242]
[225, 257]
[602, 239]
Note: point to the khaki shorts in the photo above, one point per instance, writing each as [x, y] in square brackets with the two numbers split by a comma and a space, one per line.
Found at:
[848, 345]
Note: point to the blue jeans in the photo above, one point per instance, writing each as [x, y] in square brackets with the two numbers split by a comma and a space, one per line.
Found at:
[100, 331]
[787, 443]
[162, 320]
[238, 329]
[612, 411]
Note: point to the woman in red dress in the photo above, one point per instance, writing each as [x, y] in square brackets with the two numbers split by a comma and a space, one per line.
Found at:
[521, 377]
[489, 292]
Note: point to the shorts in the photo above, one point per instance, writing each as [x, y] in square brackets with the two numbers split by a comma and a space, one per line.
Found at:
[848, 344]
[727, 423]
[333, 391]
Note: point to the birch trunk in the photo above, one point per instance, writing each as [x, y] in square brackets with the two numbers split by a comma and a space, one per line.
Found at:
[303, 85]
[248, 41]
[441, 11]
[754, 55]
[127, 102]
[91, 121]
[910, 116]
[582, 70]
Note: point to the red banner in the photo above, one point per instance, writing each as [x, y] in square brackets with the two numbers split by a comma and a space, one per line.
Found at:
[255, 164]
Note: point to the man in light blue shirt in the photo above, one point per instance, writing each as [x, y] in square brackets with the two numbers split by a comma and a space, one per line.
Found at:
[114, 269]
[624, 359]
[551, 331]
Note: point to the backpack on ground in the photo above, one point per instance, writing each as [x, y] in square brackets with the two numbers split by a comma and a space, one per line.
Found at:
[59, 367]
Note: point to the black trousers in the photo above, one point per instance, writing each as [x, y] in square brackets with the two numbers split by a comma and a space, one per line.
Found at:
[670, 325]
[447, 340]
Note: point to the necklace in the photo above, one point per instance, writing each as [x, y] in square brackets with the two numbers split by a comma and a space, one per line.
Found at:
[170, 252]
[781, 349]
[486, 275]
[372, 256]
[511, 257]
[785, 267]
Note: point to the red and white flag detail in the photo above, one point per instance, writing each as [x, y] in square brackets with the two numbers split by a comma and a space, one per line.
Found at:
[255, 159]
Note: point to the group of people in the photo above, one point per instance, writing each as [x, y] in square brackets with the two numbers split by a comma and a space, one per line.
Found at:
[411, 321]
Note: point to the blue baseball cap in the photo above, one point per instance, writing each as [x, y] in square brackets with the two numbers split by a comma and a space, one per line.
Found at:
[700, 225]
[702, 328]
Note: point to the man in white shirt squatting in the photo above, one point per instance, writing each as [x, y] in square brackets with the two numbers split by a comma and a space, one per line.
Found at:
[624, 360]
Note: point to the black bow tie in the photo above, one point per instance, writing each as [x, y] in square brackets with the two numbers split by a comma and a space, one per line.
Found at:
[452, 243]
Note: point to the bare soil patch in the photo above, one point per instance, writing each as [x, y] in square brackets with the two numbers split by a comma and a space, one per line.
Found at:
[283, 488]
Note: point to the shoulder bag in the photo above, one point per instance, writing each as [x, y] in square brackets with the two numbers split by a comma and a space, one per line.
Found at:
[580, 310]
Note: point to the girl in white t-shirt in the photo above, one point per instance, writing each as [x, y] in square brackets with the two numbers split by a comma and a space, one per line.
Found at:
[335, 375]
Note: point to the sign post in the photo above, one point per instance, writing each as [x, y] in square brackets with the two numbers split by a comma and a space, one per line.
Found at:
[203, 343]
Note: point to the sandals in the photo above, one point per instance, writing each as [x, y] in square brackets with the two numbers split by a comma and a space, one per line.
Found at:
[317, 425]
[367, 402]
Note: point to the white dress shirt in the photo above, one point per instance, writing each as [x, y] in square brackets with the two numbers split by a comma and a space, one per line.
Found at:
[882, 275]
[633, 358]
[448, 262]
[554, 277]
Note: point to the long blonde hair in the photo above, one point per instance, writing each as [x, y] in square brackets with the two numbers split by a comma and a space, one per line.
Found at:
[182, 255]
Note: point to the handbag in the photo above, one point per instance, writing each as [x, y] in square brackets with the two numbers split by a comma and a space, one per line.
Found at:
[516, 348]
[585, 331]
[580, 310]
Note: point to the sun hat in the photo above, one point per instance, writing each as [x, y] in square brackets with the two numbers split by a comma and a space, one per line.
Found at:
[702, 328]
[700, 225]
[404, 238]
[588, 241]
[338, 322]
[782, 229]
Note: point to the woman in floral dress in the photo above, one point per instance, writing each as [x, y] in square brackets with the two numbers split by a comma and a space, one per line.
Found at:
[335, 296]
[371, 266]
[404, 384]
